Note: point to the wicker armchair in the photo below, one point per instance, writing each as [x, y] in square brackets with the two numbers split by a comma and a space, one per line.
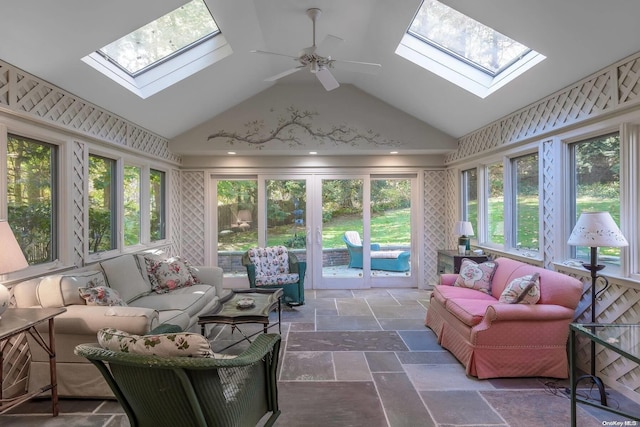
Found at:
[183, 391]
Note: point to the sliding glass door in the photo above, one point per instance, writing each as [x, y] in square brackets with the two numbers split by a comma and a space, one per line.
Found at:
[354, 231]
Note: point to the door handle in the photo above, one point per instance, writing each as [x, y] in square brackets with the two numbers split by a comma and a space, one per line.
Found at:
[318, 237]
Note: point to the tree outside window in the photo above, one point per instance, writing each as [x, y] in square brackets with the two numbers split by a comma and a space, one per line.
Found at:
[102, 204]
[131, 205]
[596, 186]
[157, 191]
[470, 198]
[31, 201]
[525, 202]
[495, 205]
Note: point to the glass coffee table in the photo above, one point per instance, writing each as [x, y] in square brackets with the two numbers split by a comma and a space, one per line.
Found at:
[620, 339]
[232, 309]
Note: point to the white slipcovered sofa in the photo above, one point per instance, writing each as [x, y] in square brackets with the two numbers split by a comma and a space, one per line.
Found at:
[149, 304]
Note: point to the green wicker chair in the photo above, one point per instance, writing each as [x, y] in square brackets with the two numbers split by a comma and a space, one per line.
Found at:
[183, 391]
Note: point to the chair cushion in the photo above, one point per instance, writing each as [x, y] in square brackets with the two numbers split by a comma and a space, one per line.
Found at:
[270, 261]
[522, 290]
[277, 279]
[183, 344]
[353, 237]
[468, 311]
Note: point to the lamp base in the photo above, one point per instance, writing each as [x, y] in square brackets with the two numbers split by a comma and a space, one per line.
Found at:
[465, 241]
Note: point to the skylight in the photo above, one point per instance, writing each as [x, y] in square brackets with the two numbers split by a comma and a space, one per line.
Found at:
[463, 50]
[163, 51]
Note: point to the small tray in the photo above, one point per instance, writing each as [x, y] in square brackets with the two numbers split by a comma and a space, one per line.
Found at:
[245, 303]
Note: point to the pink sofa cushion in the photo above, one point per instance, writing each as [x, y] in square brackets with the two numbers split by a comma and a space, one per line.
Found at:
[442, 293]
[469, 311]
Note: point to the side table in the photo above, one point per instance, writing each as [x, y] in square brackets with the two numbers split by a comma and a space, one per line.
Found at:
[14, 321]
[449, 261]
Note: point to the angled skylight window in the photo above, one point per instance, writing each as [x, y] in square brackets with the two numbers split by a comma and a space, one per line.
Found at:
[163, 51]
[463, 50]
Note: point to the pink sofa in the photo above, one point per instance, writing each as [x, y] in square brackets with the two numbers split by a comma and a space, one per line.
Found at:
[494, 339]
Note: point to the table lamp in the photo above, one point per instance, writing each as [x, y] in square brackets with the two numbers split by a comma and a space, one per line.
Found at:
[596, 229]
[11, 259]
[464, 229]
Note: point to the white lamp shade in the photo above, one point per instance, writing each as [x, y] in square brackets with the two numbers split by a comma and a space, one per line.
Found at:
[11, 256]
[463, 228]
[597, 229]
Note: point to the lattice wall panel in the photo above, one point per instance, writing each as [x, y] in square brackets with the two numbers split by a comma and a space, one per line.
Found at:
[435, 210]
[193, 215]
[602, 92]
[175, 207]
[38, 99]
[617, 304]
[629, 81]
[79, 160]
[549, 194]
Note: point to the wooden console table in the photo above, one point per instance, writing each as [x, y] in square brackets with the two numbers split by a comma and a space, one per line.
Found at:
[15, 321]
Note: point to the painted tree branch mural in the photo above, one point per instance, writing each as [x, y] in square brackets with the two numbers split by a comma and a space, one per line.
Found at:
[295, 128]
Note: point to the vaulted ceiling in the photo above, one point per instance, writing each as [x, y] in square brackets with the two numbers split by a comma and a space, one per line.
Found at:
[578, 37]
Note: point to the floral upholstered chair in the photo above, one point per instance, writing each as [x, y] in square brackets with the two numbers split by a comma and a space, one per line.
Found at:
[276, 267]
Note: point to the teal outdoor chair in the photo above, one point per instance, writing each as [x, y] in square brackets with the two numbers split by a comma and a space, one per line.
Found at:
[394, 260]
[159, 391]
[276, 267]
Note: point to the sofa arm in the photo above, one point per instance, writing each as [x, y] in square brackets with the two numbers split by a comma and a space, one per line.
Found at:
[448, 279]
[210, 276]
[89, 319]
[507, 312]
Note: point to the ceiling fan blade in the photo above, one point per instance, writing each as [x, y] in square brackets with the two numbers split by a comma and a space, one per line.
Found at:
[328, 45]
[264, 52]
[326, 78]
[357, 66]
[283, 74]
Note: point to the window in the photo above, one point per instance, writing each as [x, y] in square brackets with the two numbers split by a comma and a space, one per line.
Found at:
[164, 51]
[157, 196]
[31, 197]
[463, 50]
[595, 186]
[470, 197]
[495, 204]
[131, 203]
[102, 204]
[525, 202]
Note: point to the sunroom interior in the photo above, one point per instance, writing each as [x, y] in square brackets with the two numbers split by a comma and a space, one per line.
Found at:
[235, 148]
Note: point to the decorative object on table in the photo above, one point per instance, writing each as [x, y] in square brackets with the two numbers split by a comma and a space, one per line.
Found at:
[11, 259]
[594, 230]
[464, 229]
[246, 303]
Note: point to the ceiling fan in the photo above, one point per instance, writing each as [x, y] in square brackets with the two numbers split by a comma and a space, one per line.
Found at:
[312, 57]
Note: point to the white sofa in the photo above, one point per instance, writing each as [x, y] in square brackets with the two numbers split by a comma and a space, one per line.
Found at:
[145, 310]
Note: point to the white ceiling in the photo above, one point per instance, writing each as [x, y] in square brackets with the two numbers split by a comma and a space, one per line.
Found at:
[578, 37]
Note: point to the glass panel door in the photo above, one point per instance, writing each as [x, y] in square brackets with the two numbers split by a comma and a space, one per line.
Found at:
[287, 215]
[237, 223]
[343, 264]
[390, 224]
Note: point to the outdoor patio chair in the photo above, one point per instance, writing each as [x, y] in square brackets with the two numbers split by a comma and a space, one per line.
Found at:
[396, 260]
[276, 267]
[158, 391]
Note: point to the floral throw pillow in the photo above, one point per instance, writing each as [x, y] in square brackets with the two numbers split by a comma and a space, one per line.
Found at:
[170, 274]
[523, 290]
[101, 295]
[476, 276]
[183, 344]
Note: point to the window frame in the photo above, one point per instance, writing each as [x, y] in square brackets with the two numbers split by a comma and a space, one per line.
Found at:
[116, 199]
[513, 241]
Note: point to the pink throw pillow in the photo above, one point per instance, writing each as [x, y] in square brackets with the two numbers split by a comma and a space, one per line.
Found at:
[476, 276]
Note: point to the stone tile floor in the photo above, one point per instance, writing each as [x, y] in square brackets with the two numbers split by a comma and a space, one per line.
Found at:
[365, 358]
